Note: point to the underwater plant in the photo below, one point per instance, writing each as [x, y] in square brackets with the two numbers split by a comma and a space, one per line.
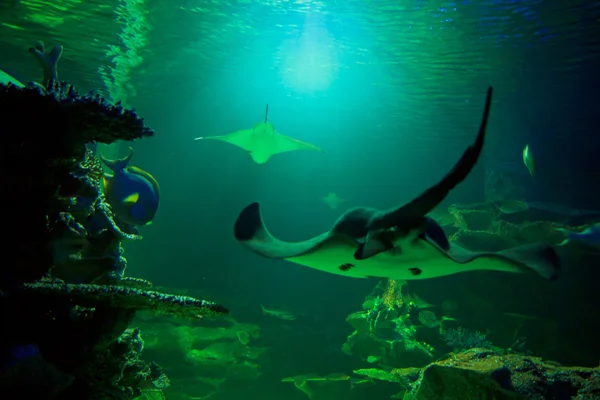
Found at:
[463, 339]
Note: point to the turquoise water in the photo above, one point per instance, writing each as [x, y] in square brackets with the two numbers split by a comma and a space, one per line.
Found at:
[393, 93]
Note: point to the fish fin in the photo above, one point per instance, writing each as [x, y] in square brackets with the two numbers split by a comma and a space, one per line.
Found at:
[376, 242]
[410, 215]
[132, 198]
[105, 181]
[152, 180]
[148, 223]
[372, 246]
[435, 232]
[539, 258]
[264, 310]
[118, 164]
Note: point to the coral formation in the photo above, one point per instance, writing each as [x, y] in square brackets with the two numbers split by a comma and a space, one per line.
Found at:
[202, 360]
[384, 332]
[463, 339]
[66, 304]
[483, 374]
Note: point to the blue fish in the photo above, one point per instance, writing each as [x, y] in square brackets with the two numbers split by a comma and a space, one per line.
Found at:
[589, 236]
[131, 192]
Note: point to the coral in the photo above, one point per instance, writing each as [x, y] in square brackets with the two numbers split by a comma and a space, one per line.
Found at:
[463, 339]
[122, 297]
[482, 374]
[65, 301]
[46, 172]
[386, 336]
[80, 119]
[392, 297]
[138, 283]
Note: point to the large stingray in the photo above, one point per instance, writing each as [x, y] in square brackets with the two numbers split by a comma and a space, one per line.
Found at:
[263, 141]
[401, 243]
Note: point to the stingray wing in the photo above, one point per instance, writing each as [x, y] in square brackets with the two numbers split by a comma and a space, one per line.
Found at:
[412, 213]
[283, 143]
[243, 139]
[251, 232]
[538, 257]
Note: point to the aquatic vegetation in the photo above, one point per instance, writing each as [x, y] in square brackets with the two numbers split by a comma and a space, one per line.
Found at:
[464, 339]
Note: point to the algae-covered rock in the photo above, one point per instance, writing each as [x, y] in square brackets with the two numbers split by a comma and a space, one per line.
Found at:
[359, 321]
[479, 374]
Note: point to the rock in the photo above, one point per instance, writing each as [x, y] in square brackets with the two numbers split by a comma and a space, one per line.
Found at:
[481, 374]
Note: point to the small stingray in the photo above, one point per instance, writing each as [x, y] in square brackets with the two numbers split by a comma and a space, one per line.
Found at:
[333, 201]
[263, 141]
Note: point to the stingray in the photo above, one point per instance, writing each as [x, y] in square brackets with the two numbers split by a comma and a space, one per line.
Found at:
[400, 243]
[263, 141]
[333, 201]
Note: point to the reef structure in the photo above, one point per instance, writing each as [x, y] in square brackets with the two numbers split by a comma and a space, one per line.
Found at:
[483, 374]
[65, 301]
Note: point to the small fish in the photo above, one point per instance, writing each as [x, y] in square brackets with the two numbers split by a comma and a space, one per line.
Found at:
[528, 160]
[132, 193]
[413, 300]
[589, 236]
[333, 201]
[512, 206]
[243, 337]
[278, 314]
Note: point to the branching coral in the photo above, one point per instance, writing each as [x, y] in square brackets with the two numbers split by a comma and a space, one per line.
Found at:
[392, 296]
[463, 339]
[124, 298]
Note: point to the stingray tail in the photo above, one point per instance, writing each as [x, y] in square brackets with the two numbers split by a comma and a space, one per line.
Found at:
[539, 258]
[118, 164]
[251, 232]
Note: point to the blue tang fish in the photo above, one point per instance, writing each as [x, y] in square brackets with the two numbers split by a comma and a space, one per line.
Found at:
[131, 192]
